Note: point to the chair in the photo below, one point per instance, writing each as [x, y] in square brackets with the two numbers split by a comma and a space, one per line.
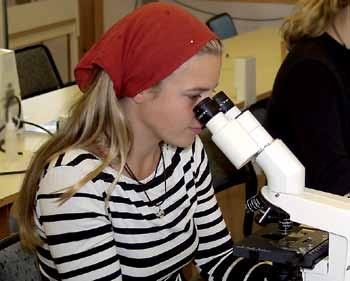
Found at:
[225, 175]
[37, 71]
[16, 263]
[259, 109]
[222, 25]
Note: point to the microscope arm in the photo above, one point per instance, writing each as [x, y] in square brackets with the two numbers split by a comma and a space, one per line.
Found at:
[285, 189]
[242, 139]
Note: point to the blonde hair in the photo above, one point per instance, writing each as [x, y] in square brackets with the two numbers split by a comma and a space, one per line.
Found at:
[96, 122]
[311, 20]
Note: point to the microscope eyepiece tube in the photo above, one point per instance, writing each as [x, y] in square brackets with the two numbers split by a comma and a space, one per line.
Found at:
[206, 110]
[226, 105]
[246, 119]
[227, 134]
[224, 102]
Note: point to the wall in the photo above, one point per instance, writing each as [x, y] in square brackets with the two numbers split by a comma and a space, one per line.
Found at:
[59, 49]
[115, 9]
[48, 22]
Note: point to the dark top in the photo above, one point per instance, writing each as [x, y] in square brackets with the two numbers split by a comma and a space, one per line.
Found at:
[310, 111]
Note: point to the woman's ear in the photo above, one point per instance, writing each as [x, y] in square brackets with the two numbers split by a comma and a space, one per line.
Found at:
[144, 96]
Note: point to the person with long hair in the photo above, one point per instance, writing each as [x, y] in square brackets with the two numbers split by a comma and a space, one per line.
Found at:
[123, 191]
[310, 104]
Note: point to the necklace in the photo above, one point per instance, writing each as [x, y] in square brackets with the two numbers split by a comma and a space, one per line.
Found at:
[160, 212]
[338, 34]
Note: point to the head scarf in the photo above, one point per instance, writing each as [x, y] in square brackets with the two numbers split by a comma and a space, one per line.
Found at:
[143, 48]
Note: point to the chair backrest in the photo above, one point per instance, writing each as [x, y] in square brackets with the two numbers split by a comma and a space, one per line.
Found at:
[222, 25]
[37, 71]
[16, 263]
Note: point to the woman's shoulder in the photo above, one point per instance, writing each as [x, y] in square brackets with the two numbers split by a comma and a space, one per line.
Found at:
[311, 50]
[69, 167]
[72, 166]
[310, 58]
[75, 157]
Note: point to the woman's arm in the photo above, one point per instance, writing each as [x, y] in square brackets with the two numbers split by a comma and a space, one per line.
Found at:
[215, 257]
[78, 233]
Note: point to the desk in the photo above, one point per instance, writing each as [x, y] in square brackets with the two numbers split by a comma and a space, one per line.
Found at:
[265, 45]
[39, 109]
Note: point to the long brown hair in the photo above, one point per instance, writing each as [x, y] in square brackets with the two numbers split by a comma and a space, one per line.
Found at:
[311, 19]
[96, 122]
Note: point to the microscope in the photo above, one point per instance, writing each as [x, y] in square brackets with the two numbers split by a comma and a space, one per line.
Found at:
[10, 103]
[310, 242]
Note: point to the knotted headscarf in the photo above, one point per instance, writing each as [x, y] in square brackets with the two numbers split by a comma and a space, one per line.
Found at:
[143, 48]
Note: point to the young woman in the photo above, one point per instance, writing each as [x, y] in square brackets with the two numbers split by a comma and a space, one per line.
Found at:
[309, 109]
[123, 191]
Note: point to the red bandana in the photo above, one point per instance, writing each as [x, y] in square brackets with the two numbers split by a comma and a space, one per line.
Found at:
[143, 48]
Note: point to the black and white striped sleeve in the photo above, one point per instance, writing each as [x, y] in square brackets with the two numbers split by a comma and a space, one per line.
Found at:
[78, 233]
[215, 258]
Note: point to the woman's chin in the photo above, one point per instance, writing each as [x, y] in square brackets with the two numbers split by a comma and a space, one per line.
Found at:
[182, 142]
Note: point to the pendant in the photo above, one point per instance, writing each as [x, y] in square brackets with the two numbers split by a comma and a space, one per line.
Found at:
[160, 212]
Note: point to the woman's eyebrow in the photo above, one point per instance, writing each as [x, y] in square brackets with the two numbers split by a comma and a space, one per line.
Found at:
[201, 89]
[197, 89]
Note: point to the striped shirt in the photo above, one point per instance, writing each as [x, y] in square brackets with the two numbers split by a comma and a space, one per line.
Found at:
[85, 240]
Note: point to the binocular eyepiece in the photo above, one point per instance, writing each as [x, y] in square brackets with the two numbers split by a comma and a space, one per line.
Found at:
[208, 108]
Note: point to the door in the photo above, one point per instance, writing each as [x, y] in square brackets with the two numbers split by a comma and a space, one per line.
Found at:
[91, 23]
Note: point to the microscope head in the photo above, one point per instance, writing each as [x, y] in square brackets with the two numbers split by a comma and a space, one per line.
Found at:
[242, 139]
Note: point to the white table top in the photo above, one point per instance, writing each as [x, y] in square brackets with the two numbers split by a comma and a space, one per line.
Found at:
[40, 109]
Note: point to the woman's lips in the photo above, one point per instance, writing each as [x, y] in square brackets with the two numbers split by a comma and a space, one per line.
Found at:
[197, 131]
